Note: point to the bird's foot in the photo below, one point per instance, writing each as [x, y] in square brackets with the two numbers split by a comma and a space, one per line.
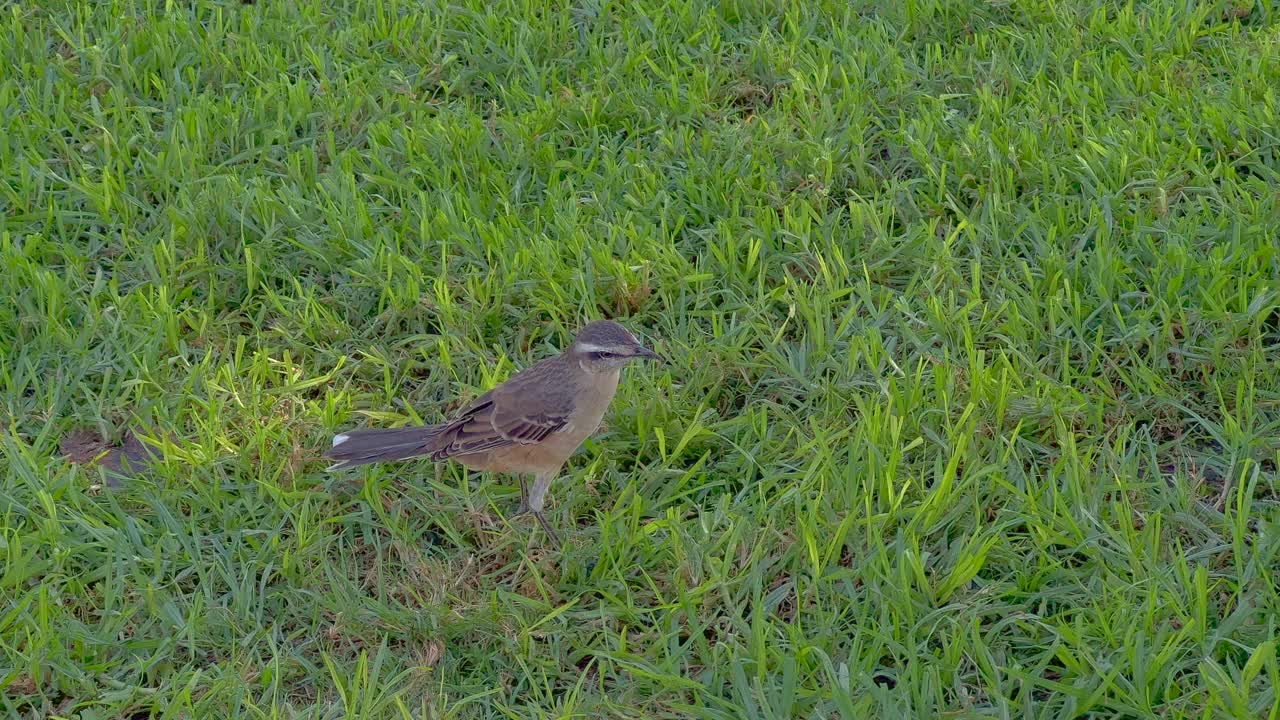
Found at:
[546, 526]
[542, 520]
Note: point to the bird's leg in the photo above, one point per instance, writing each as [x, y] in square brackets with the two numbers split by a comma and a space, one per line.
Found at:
[524, 497]
[542, 483]
[555, 538]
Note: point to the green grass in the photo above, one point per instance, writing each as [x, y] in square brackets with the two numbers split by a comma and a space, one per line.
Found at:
[973, 310]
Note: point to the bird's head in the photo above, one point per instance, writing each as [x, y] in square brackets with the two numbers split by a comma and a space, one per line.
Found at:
[605, 346]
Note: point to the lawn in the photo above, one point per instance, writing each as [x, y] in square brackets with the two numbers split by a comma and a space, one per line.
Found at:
[972, 310]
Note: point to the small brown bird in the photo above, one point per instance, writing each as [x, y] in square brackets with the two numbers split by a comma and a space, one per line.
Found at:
[529, 424]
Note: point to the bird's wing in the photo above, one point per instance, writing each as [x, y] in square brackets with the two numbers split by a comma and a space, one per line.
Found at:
[526, 409]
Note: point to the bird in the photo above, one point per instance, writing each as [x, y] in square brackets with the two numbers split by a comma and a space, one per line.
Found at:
[528, 426]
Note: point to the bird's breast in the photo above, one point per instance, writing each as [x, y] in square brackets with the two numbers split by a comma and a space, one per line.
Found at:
[593, 401]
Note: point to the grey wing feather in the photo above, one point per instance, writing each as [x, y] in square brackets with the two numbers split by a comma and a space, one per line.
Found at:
[525, 410]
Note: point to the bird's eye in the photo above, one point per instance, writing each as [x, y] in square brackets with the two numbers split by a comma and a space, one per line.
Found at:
[602, 355]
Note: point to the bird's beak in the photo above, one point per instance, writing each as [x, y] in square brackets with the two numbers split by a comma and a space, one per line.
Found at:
[648, 354]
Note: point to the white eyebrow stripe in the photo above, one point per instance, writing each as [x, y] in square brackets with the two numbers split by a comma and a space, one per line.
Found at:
[588, 347]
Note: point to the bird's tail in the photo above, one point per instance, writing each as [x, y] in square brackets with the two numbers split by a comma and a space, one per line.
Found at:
[360, 447]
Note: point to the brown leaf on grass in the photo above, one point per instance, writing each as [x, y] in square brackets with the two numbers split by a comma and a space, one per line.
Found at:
[84, 446]
[629, 296]
[22, 685]
[430, 653]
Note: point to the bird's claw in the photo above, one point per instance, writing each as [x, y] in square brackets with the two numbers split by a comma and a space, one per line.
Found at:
[524, 508]
[546, 526]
